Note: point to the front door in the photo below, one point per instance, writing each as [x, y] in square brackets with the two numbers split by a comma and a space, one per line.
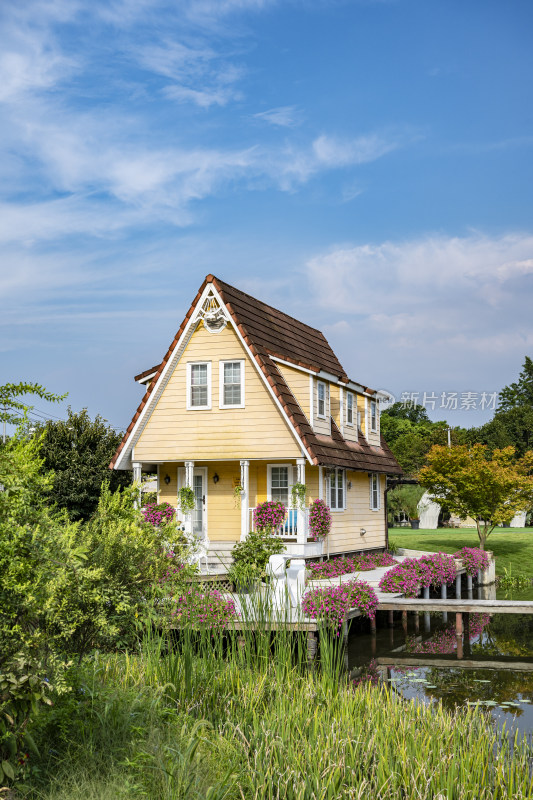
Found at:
[199, 487]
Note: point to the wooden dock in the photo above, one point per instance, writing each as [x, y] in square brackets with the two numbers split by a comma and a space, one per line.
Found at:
[458, 606]
[430, 660]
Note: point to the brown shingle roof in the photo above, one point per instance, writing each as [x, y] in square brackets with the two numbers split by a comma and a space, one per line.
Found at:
[268, 332]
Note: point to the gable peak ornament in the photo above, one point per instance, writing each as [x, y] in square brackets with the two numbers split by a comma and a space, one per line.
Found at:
[213, 315]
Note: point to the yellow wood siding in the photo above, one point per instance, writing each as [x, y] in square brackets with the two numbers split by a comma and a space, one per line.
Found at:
[335, 408]
[373, 437]
[346, 525]
[298, 383]
[361, 410]
[223, 508]
[174, 433]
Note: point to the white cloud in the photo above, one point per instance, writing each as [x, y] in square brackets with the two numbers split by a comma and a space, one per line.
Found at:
[336, 152]
[283, 116]
[434, 290]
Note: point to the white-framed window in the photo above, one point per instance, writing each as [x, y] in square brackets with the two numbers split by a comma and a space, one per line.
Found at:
[231, 381]
[375, 497]
[279, 483]
[321, 399]
[199, 385]
[373, 416]
[349, 408]
[336, 489]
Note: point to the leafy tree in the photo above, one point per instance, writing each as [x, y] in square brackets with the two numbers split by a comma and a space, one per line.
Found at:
[12, 407]
[404, 499]
[413, 413]
[519, 393]
[469, 484]
[512, 428]
[79, 451]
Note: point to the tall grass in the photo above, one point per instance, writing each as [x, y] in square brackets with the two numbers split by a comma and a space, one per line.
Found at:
[240, 717]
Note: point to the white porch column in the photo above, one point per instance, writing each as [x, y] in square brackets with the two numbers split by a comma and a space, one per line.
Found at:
[137, 469]
[245, 497]
[189, 472]
[301, 522]
[321, 483]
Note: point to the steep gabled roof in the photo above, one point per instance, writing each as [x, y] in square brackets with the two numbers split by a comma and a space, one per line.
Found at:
[268, 332]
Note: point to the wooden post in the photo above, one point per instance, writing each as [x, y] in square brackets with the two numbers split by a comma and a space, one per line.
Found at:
[469, 586]
[301, 519]
[373, 625]
[391, 619]
[427, 622]
[459, 633]
[458, 587]
[444, 594]
[404, 622]
[373, 642]
[245, 498]
[466, 620]
[426, 592]
[312, 646]
[417, 621]
[137, 476]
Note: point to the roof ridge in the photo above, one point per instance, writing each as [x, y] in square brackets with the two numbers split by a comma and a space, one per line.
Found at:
[266, 305]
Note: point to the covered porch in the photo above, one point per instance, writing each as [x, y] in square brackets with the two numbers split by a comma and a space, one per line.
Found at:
[227, 493]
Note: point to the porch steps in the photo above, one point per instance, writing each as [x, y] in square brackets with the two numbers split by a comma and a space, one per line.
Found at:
[219, 556]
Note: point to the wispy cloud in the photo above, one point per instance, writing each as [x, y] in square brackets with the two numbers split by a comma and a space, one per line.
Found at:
[283, 116]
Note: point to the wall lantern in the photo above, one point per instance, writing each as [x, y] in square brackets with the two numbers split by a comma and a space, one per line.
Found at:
[167, 479]
[349, 485]
[362, 531]
[215, 478]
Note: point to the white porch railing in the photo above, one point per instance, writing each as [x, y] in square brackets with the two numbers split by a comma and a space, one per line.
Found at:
[294, 526]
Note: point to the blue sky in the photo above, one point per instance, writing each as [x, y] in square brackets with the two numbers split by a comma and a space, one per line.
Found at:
[365, 166]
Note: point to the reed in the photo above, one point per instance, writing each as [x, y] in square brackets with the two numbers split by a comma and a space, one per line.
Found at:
[238, 715]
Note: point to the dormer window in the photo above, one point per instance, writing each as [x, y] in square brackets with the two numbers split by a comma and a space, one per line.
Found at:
[349, 408]
[373, 416]
[321, 400]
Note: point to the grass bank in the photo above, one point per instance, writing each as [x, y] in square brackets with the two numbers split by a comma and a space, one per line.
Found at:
[245, 721]
[512, 547]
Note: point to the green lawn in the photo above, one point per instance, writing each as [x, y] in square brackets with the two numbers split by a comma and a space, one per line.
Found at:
[512, 547]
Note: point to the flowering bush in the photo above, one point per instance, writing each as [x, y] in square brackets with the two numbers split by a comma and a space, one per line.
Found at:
[473, 559]
[269, 515]
[345, 565]
[407, 577]
[319, 519]
[158, 515]
[331, 604]
[204, 609]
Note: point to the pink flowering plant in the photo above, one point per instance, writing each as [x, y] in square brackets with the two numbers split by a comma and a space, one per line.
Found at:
[411, 574]
[269, 515]
[319, 520]
[204, 609]
[329, 605]
[445, 641]
[158, 514]
[473, 559]
[344, 565]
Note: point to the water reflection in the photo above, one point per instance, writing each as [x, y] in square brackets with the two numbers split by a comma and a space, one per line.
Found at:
[503, 642]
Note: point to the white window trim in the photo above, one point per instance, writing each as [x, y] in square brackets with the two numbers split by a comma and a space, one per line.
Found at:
[372, 429]
[289, 478]
[190, 407]
[325, 414]
[354, 411]
[371, 476]
[221, 383]
[328, 489]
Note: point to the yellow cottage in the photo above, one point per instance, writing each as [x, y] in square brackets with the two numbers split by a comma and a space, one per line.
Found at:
[247, 402]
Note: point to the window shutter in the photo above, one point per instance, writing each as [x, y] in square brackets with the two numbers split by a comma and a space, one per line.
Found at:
[370, 490]
[328, 488]
[378, 485]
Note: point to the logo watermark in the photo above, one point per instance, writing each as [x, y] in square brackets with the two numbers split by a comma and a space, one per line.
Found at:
[450, 401]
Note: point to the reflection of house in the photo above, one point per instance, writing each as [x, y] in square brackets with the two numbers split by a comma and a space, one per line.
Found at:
[248, 396]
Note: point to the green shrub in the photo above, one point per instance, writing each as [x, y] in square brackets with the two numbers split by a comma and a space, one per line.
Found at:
[250, 556]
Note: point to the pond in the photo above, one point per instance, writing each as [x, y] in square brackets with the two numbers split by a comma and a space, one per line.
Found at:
[501, 644]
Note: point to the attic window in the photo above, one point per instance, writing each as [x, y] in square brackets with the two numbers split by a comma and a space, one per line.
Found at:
[321, 400]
